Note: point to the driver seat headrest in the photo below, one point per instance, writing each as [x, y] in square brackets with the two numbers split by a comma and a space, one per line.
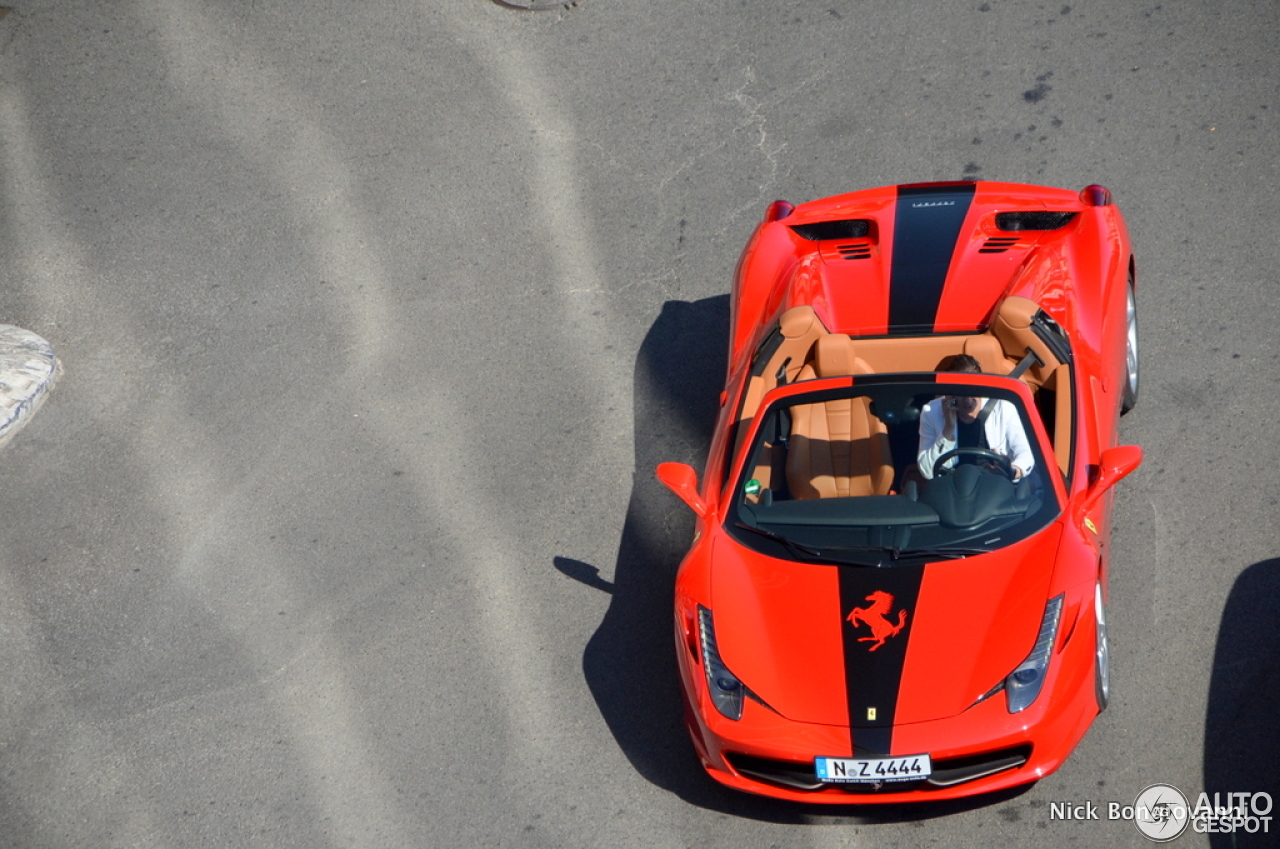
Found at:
[834, 356]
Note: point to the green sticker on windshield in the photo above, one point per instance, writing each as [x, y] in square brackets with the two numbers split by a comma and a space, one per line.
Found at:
[753, 486]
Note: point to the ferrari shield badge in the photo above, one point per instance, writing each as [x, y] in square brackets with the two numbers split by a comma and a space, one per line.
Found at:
[878, 617]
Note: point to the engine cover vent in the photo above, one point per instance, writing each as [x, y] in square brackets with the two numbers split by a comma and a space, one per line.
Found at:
[820, 231]
[1033, 220]
[857, 250]
[997, 246]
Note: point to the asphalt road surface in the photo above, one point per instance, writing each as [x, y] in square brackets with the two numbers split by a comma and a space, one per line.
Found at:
[341, 528]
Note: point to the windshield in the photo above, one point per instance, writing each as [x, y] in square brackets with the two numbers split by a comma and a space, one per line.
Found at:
[892, 468]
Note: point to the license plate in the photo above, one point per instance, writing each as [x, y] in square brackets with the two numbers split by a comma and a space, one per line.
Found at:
[873, 770]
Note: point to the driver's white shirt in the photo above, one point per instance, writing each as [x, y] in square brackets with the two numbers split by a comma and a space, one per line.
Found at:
[1004, 432]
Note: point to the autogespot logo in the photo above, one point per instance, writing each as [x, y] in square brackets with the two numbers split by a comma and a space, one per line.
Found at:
[1161, 813]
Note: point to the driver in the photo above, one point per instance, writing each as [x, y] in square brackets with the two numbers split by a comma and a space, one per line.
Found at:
[957, 421]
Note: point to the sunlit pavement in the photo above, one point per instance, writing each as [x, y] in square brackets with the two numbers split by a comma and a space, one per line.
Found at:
[340, 528]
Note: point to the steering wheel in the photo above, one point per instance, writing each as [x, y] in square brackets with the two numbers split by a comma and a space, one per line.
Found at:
[1002, 462]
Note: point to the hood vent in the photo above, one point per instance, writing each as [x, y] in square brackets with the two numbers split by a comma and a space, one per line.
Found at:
[821, 231]
[1033, 220]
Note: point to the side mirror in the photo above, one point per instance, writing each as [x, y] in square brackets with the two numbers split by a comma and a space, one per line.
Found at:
[681, 479]
[1115, 464]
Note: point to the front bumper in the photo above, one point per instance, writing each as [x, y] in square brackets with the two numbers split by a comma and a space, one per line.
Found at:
[980, 750]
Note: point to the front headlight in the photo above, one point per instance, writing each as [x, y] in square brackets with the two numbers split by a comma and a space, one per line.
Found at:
[1024, 683]
[725, 688]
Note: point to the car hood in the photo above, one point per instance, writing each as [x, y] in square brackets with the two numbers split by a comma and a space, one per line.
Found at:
[868, 647]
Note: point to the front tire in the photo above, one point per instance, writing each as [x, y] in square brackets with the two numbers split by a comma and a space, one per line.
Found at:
[1102, 654]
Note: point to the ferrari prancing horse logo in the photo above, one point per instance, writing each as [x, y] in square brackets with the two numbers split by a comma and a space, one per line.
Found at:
[876, 617]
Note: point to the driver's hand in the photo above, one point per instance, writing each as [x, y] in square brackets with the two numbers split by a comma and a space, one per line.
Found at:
[949, 419]
[991, 466]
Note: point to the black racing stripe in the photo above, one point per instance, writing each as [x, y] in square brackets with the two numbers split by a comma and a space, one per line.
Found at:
[875, 647]
[925, 229]
[896, 378]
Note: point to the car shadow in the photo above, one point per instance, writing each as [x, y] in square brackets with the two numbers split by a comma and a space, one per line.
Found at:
[629, 663]
[1242, 731]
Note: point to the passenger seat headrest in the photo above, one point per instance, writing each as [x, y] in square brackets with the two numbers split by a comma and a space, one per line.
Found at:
[798, 321]
[1013, 326]
[1017, 313]
[833, 356]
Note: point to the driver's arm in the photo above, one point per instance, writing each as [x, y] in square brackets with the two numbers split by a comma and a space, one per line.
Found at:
[1016, 446]
[933, 439]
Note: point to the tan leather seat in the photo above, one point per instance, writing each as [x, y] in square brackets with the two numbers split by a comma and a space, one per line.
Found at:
[837, 448]
[986, 349]
[1012, 326]
[800, 328]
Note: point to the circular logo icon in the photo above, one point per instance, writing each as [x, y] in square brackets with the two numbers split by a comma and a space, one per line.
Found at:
[1161, 812]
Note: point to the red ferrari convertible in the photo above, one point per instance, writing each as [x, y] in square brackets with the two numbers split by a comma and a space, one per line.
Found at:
[898, 584]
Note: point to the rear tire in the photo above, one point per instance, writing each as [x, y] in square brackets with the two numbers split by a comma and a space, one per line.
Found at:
[1130, 399]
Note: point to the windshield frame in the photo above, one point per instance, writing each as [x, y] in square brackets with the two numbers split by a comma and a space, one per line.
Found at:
[825, 389]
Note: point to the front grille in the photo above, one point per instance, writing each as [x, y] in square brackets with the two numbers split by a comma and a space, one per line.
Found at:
[821, 231]
[952, 771]
[947, 772]
[1033, 220]
[795, 775]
